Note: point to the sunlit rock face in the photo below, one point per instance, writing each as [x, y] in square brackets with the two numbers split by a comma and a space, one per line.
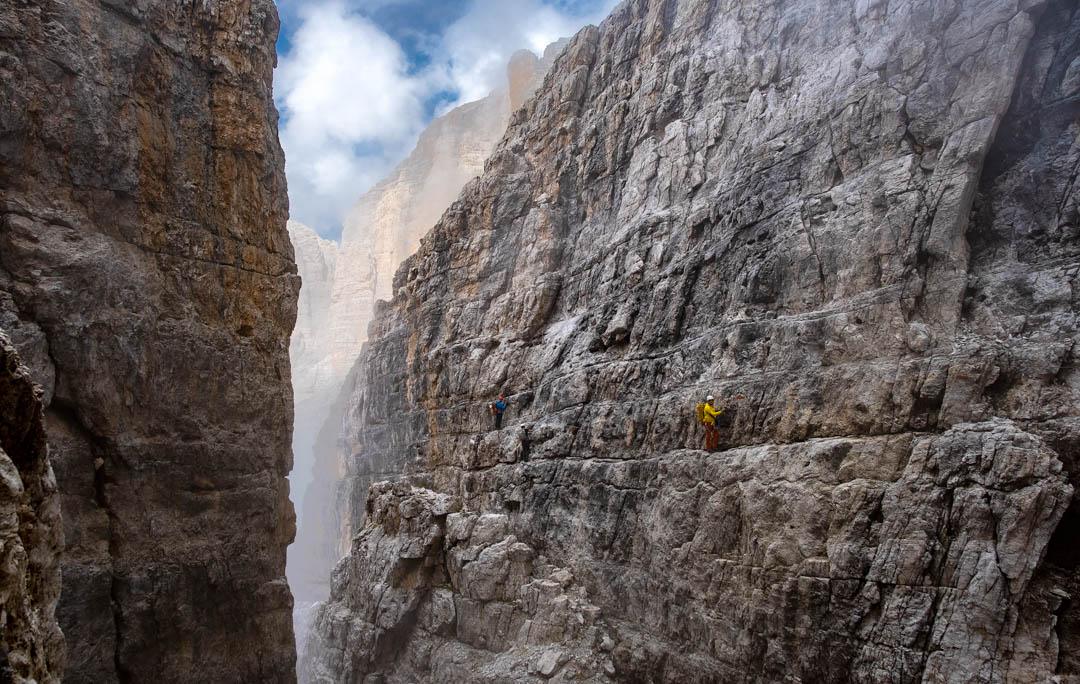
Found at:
[31, 539]
[147, 281]
[856, 224]
[383, 228]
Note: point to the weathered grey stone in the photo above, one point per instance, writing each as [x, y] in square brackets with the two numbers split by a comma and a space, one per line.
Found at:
[549, 662]
[472, 606]
[146, 271]
[31, 538]
[855, 224]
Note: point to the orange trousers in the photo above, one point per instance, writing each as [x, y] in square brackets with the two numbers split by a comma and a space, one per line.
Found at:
[712, 437]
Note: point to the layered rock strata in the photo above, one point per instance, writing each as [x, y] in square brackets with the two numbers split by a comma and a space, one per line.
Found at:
[147, 280]
[856, 224]
[31, 539]
[383, 228]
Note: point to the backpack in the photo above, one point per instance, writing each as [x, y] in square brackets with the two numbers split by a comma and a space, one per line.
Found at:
[701, 413]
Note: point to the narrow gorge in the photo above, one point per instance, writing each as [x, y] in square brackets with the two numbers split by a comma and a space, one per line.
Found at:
[854, 223]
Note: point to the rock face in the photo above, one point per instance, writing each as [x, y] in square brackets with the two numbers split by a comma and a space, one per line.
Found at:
[147, 280]
[383, 228]
[316, 262]
[31, 538]
[855, 223]
[469, 585]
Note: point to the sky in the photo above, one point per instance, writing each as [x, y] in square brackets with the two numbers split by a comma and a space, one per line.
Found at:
[358, 80]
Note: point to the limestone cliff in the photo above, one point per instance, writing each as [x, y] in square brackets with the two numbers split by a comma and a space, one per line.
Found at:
[316, 263]
[383, 228]
[853, 222]
[147, 280]
[31, 645]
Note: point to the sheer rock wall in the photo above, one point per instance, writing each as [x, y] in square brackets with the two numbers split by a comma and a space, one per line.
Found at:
[309, 352]
[147, 280]
[316, 263]
[853, 222]
[31, 539]
[387, 223]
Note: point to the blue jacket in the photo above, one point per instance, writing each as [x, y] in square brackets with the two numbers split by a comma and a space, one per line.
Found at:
[500, 406]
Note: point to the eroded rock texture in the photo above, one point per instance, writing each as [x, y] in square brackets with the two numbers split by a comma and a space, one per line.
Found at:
[147, 280]
[31, 538]
[853, 222]
[491, 607]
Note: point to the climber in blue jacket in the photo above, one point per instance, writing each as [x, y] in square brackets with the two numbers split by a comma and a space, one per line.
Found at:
[497, 410]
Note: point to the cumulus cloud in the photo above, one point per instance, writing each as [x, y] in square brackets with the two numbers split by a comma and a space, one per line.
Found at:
[349, 109]
[353, 101]
[477, 47]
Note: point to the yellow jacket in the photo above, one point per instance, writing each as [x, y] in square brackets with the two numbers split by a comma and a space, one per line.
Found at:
[711, 414]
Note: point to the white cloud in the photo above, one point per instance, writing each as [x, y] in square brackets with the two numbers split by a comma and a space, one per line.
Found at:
[478, 46]
[350, 107]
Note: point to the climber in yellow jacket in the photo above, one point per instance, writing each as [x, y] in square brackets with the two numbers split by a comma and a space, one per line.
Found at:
[708, 417]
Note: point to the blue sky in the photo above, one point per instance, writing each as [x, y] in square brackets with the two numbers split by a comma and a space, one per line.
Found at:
[357, 81]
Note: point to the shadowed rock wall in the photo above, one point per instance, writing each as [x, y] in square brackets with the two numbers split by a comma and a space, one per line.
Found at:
[147, 280]
[853, 222]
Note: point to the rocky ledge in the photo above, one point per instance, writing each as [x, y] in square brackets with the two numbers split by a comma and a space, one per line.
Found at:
[459, 590]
